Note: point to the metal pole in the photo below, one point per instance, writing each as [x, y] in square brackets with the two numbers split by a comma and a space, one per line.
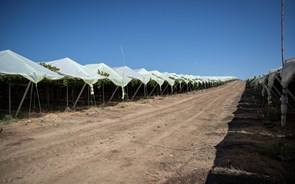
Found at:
[31, 101]
[284, 102]
[79, 96]
[40, 110]
[164, 89]
[93, 102]
[275, 95]
[288, 91]
[136, 91]
[113, 93]
[67, 96]
[291, 94]
[280, 95]
[282, 33]
[72, 91]
[145, 91]
[47, 95]
[103, 93]
[9, 98]
[180, 90]
[284, 97]
[152, 90]
[23, 98]
[88, 95]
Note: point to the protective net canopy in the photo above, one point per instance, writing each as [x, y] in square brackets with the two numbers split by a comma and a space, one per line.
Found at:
[12, 63]
[72, 69]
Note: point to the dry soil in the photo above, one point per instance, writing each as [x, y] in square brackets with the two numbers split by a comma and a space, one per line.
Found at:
[147, 141]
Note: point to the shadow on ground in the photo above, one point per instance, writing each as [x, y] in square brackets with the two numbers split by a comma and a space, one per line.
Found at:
[253, 150]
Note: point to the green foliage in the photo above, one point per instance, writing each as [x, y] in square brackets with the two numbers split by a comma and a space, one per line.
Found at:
[102, 82]
[13, 79]
[50, 67]
[73, 82]
[134, 82]
[173, 78]
[8, 118]
[61, 83]
[99, 84]
[18, 79]
[152, 83]
[177, 81]
[103, 73]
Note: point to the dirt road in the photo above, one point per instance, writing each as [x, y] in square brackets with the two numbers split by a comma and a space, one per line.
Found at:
[148, 141]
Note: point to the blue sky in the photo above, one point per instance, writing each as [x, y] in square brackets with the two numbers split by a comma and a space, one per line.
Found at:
[198, 37]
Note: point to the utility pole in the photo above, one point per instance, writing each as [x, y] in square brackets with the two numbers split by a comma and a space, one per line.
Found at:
[284, 97]
[282, 33]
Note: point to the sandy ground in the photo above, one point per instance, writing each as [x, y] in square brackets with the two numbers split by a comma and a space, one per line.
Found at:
[148, 141]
